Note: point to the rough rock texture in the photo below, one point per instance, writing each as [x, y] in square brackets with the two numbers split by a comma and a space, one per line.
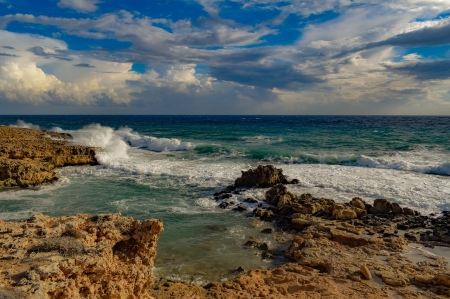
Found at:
[29, 157]
[332, 259]
[82, 256]
[338, 250]
[262, 177]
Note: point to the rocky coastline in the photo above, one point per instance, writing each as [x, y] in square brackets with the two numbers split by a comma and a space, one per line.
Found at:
[29, 157]
[336, 250]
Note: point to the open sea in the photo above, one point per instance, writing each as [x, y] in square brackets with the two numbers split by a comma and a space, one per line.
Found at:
[169, 167]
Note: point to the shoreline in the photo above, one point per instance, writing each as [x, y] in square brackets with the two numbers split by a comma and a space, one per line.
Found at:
[29, 157]
[331, 245]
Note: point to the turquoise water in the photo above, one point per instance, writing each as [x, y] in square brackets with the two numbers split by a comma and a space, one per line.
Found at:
[168, 167]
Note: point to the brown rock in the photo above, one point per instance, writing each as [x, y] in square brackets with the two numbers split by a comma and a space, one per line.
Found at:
[274, 194]
[396, 209]
[106, 256]
[29, 157]
[365, 272]
[358, 203]
[262, 177]
[341, 212]
[381, 206]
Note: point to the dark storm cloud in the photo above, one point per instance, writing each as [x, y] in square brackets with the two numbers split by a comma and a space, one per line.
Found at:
[426, 70]
[39, 51]
[87, 65]
[9, 47]
[425, 37]
[274, 76]
[8, 55]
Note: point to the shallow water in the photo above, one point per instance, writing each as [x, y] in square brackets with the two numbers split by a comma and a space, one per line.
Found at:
[169, 168]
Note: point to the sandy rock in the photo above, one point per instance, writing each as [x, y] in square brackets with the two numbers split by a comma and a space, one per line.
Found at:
[365, 272]
[29, 157]
[105, 256]
[358, 203]
[342, 212]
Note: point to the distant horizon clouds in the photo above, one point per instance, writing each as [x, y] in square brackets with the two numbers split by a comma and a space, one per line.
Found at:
[225, 57]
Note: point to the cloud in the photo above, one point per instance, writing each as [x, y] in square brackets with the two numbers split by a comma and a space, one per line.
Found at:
[87, 65]
[80, 5]
[39, 51]
[281, 76]
[8, 55]
[423, 70]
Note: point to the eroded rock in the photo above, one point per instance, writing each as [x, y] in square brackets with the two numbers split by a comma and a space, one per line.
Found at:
[106, 256]
[29, 157]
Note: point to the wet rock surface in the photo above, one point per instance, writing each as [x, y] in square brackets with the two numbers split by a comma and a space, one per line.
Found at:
[29, 157]
[338, 250]
[105, 256]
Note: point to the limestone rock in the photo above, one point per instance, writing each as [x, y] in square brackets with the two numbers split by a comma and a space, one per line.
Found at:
[29, 157]
[105, 256]
[358, 203]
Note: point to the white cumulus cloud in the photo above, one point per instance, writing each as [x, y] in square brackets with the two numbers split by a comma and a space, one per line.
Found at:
[80, 5]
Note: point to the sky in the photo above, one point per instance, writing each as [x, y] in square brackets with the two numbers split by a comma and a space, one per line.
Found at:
[300, 57]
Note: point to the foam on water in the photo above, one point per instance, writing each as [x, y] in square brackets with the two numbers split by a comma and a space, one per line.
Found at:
[422, 161]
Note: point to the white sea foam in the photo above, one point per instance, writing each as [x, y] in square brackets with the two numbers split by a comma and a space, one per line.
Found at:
[423, 161]
[152, 143]
[21, 124]
[261, 139]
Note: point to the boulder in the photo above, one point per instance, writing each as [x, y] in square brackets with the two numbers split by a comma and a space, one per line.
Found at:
[358, 203]
[274, 194]
[381, 206]
[261, 177]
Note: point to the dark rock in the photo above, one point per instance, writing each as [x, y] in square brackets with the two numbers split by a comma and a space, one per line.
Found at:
[266, 255]
[267, 230]
[224, 205]
[226, 195]
[396, 209]
[250, 200]
[239, 270]
[240, 209]
[264, 214]
[381, 206]
[294, 181]
[262, 177]
[256, 244]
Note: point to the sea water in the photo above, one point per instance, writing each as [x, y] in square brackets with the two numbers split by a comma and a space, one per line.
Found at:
[169, 167]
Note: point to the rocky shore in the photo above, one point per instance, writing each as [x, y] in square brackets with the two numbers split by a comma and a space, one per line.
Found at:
[29, 157]
[338, 250]
[82, 256]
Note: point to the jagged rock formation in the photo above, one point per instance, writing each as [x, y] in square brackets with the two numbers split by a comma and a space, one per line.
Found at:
[82, 256]
[29, 157]
[262, 177]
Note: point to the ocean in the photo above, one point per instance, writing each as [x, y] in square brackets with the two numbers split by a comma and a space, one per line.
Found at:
[169, 167]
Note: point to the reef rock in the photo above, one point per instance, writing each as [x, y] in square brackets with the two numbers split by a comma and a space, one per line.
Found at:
[105, 256]
[29, 157]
